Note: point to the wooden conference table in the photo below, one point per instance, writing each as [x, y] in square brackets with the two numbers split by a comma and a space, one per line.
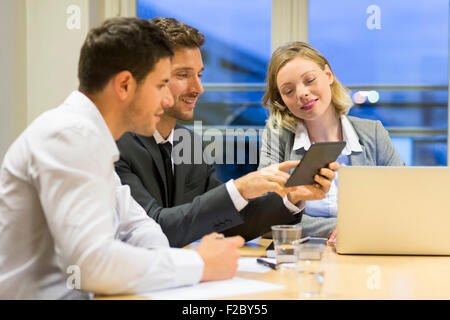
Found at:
[356, 277]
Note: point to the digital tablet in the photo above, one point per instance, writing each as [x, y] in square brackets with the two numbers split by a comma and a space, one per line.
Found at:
[318, 156]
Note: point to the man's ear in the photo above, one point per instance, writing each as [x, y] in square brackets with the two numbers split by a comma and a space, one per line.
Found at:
[124, 84]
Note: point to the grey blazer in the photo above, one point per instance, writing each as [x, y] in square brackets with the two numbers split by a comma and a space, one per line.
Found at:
[377, 151]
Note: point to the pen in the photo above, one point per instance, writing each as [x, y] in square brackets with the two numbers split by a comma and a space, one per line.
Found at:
[252, 244]
[267, 263]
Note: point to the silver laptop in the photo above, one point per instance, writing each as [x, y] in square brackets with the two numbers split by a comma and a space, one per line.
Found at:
[394, 210]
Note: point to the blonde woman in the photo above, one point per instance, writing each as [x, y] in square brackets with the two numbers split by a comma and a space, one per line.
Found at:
[308, 104]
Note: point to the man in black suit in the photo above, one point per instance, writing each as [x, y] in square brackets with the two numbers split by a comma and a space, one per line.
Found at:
[182, 193]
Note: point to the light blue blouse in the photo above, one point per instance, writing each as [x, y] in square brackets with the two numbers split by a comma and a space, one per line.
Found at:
[327, 207]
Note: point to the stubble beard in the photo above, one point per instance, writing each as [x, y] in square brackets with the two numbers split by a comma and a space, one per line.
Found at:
[177, 114]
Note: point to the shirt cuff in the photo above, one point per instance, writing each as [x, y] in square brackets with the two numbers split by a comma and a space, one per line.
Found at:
[188, 266]
[294, 209]
[238, 201]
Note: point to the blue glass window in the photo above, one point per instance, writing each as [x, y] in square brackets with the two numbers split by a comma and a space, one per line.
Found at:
[397, 52]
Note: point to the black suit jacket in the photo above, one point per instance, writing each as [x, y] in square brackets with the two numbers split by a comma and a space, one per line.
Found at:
[201, 203]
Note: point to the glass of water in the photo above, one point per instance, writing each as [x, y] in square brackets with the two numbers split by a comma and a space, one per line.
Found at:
[310, 268]
[284, 237]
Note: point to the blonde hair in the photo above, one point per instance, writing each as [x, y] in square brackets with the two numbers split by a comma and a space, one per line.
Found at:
[280, 116]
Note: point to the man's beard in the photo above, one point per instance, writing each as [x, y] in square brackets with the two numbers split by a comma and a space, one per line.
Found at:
[177, 114]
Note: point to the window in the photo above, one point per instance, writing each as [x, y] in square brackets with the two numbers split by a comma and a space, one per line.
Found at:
[394, 57]
[235, 54]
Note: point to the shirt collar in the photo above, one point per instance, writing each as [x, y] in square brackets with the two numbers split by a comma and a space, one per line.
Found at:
[350, 137]
[79, 103]
[301, 139]
[159, 139]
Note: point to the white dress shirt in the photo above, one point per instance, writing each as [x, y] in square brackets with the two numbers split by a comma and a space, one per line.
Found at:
[238, 200]
[62, 208]
[327, 207]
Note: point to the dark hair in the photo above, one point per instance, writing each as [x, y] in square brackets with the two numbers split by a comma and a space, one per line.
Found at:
[179, 33]
[120, 44]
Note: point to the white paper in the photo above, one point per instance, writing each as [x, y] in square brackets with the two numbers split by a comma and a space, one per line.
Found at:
[248, 264]
[214, 289]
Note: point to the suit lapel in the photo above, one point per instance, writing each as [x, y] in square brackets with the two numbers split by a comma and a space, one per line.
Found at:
[358, 159]
[180, 168]
[155, 154]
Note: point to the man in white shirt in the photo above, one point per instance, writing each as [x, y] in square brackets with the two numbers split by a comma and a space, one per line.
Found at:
[200, 203]
[68, 229]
